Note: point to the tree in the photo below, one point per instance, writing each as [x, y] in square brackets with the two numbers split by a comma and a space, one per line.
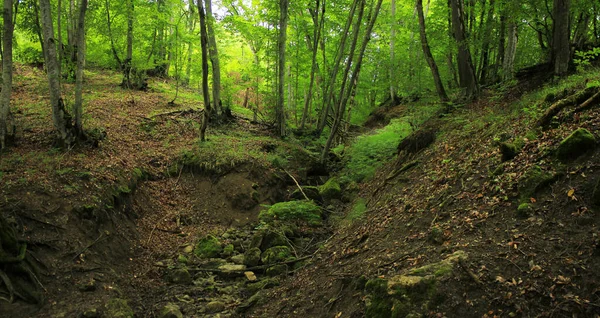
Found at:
[281, 42]
[6, 126]
[214, 59]
[428, 56]
[78, 106]
[61, 118]
[205, 91]
[466, 71]
[561, 46]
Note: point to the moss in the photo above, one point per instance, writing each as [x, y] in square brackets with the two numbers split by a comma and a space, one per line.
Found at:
[378, 303]
[277, 270]
[276, 254]
[524, 210]
[442, 268]
[436, 235]
[331, 189]
[118, 308]
[578, 143]
[182, 259]
[358, 210]
[208, 247]
[532, 181]
[306, 211]
[228, 250]
[509, 150]
[262, 284]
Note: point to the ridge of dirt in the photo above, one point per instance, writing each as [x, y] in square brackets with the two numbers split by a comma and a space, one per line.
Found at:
[543, 265]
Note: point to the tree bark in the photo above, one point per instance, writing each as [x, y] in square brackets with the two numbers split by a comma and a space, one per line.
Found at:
[508, 64]
[60, 116]
[214, 59]
[439, 86]
[466, 71]
[6, 126]
[561, 49]
[485, 50]
[392, 51]
[281, 42]
[205, 91]
[78, 106]
[318, 21]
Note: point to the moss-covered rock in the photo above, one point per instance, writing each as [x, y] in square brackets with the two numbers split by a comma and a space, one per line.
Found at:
[276, 254]
[277, 270]
[378, 303]
[578, 143]
[532, 181]
[262, 284]
[509, 150]
[118, 308]
[228, 250]
[524, 210]
[208, 247]
[331, 189]
[252, 257]
[170, 310]
[292, 211]
[180, 276]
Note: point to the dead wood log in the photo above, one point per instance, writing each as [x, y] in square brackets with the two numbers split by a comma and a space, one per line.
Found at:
[577, 98]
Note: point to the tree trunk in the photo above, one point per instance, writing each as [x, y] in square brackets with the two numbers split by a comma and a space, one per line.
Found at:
[214, 59]
[191, 25]
[466, 72]
[561, 49]
[439, 86]
[281, 41]
[392, 52]
[129, 51]
[6, 126]
[508, 65]
[60, 116]
[318, 21]
[78, 106]
[205, 91]
[485, 51]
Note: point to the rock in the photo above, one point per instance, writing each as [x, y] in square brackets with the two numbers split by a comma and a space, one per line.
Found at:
[276, 254]
[524, 210]
[88, 286]
[262, 284]
[257, 239]
[532, 181]
[91, 313]
[277, 270]
[188, 249]
[250, 276]
[228, 250]
[330, 190]
[182, 259]
[256, 299]
[118, 308]
[292, 212]
[232, 270]
[170, 310]
[271, 239]
[238, 259]
[252, 257]
[208, 247]
[215, 306]
[509, 150]
[180, 276]
[578, 143]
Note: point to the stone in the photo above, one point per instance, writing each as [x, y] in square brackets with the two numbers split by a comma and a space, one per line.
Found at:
[232, 270]
[509, 150]
[118, 308]
[524, 210]
[182, 259]
[277, 270]
[256, 240]
[87, 286]
[215, 306]
[228, 250]
[252, 257]
[578, 143]
[91, 313]
[181, 276]
[330, 190]
[276, 254]
[262, 284]
[188, 249]
[208, 247]
[238, 259]
[250, 276]
[170, 310]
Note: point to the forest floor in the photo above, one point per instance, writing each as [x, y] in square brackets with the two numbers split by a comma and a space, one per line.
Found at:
[117, 222]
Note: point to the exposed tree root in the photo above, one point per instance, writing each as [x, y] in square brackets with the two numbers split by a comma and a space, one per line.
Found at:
[575, 99]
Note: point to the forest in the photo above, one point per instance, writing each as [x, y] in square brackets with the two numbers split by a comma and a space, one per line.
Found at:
[351, 158]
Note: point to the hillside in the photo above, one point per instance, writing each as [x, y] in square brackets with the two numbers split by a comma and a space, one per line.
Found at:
[425, 215]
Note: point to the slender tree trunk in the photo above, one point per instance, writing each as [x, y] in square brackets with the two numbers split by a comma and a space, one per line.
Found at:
[392, 52]
[6, 126]
[318, 21]
[561, 49]
[78, 106]
[113, 48]
[466, 72]
[509, 54]
[485, 59]
[214, 59]
[501, 43]
[439, 86]
[61, 118]
[353, 80]
[129, 51]
[281, 42]
[205, 91]
[61, 50]
[191, 25]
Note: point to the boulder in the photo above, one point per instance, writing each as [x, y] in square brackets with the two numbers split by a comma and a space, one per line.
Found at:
[238, 259]
[215, 307]
[578, 143]
[170, 310]
[276, 254]
[277, 270]
[180, 276]
[118, 308]
[252, 257]
[208, 247]
[331, 189]
[509, 150]
[232, 270]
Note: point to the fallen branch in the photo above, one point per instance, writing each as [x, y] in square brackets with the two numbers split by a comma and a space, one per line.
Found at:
[87, 247]
[589, 103]
[297, 184]
[179, 112]
[469, 272]
[577, 98]
[215, 270]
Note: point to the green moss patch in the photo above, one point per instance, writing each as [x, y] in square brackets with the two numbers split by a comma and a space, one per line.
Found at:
[532, 181]
[276, 254]
[578, 143]
[331, 189]
[208, 247]
[303, 211]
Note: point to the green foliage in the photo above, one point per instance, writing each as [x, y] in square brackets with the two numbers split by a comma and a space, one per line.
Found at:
[293, 211]
[208, 247]
[583, 59]
[358, 210]
[369, 152]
